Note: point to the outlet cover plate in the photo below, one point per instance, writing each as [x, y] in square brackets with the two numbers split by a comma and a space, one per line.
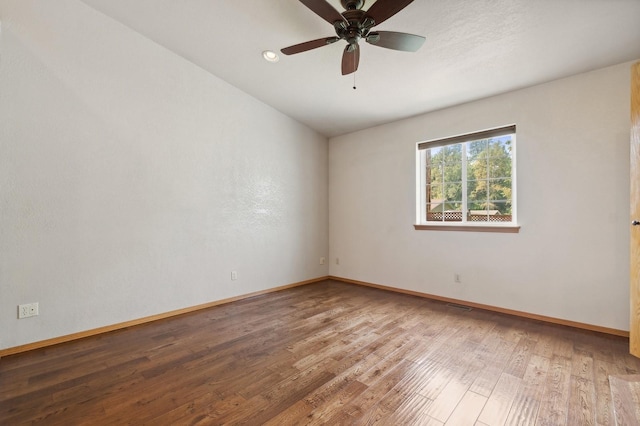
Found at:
[28, 310]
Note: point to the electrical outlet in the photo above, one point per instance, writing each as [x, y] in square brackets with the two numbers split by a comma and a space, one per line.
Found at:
[337, 260]
[322, 260]
[28, 310]
[234, 275]
[457, 278]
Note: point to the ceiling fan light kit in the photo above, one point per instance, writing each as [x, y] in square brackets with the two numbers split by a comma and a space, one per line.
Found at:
[355, 24]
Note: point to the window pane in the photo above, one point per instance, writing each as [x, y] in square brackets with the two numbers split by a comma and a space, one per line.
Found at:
[435, 207]
[499, 164]
[472, 186]
[475, 149]
[435, 212]
[453, 172]
[503, 211]
[491, 211]
[444, 212]
[435, 193]
[499, 168]
[503, 206]
[500, 189]
[453, 212]
[435, 155]
[477, 190]
[476, 205]
[478, 168]
[453, 191]
[453, 154]
[478, 215]
[500, 147]
[434, 173]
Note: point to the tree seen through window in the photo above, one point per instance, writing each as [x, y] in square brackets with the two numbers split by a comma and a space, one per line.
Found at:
[471, 177]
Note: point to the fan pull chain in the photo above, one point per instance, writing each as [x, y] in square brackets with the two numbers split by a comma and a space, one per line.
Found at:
[354, 66]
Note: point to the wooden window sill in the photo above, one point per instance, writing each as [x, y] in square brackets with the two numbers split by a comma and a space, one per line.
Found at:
[510, 229]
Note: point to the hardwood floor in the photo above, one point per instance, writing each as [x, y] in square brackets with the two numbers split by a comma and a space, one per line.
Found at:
[325, 353]
[625, 395]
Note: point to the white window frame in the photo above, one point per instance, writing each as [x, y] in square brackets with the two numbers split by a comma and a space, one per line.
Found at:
[464, 225]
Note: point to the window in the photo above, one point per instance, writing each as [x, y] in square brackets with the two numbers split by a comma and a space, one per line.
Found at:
[468, 182]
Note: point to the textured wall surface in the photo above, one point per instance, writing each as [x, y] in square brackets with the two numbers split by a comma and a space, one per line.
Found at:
[570, 259]
[132, 182]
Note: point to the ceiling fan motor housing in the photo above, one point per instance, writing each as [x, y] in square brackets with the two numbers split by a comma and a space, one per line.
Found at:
[352, 4]
[355, 27]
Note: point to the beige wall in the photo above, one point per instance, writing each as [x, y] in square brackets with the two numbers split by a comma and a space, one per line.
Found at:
[132, 182]
[570, 259]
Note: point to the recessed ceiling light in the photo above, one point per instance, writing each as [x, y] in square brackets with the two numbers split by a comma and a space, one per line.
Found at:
[270, 56]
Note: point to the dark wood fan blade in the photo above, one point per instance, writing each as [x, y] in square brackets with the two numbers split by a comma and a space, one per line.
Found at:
[323, 10]
[397, 41]
[382, 10]
[350, 59]
[308, 45]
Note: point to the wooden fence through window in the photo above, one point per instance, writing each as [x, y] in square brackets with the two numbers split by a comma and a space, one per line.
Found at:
[457, 217]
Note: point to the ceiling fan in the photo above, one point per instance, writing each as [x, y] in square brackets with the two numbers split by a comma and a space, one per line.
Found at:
[355, 24]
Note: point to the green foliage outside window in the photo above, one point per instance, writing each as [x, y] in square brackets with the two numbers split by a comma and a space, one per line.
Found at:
[488, 177]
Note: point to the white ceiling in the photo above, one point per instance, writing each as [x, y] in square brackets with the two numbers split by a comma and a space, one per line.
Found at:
[473, 49]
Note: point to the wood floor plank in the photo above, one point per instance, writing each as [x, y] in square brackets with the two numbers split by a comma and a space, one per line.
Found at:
[297, 414]
[487, 380]
[324, 353]
[520, 358]
[376, 415]
[582, 402]
[325, 414]
[413, 410]
[604, 405]
[499, 403]
[390, 355]
[582, 365]
[444, 405]
[494, 355]
[468, 410]
[381, 391]
[201, 410]
[526, 403]
[625, 394]
[554, 404]
[435, 382]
